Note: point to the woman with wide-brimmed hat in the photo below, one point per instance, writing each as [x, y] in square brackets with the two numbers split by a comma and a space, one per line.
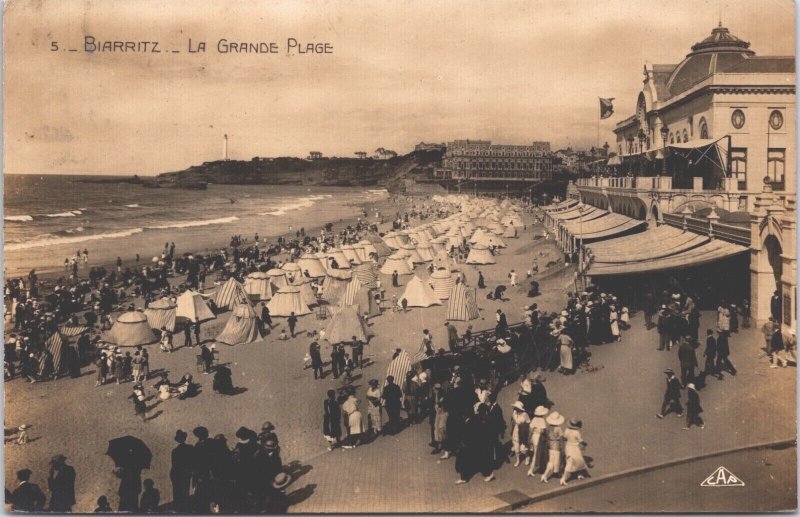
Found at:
[538, 445]
[573, 450]
[520, 432]
[555, 435]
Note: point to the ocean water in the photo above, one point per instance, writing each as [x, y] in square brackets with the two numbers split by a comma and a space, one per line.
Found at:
[49, 218]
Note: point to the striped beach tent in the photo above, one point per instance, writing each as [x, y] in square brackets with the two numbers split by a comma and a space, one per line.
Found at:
[73, 330]
[463, 305]
[442, 282]
[161, 313]
[242, 327]
[359, 294]
[367, 274]
[399, 368]
[230, 294]
[57, 346]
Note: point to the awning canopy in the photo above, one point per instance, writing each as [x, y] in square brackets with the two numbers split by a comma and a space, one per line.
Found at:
[575, 213]
[659, 249]
[603, 227]
[564, 205]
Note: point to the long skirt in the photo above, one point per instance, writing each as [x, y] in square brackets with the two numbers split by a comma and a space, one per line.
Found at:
[566, 357]
[440, 426]
[575, 461]
[375, 417]
[539, 449]
[354, 422]
[554, 460]
[615, 328]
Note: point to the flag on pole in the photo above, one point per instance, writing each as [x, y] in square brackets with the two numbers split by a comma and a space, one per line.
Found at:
[606, 107]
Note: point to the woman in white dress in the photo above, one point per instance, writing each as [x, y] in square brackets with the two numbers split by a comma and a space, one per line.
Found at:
[520, 430]
[555, 435]
[573, 450]
[538, 445]
[565, 350]
[350, 408]
[613, 318]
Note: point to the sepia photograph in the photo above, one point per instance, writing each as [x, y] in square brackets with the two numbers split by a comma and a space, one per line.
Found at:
[399, 257]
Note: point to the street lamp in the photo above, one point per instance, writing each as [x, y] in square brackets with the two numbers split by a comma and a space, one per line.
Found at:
[664, 133]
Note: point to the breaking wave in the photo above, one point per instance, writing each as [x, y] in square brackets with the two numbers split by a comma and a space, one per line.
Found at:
[191, 224]
[71, 213]
[303, 202]
[53, 240]
[18, 218]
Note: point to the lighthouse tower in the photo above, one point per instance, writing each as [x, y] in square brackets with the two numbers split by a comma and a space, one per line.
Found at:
[225, 147]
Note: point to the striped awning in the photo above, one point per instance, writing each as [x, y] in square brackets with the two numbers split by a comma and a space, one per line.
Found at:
[588, 212]
[658, 249]
[603, 227]
[563, 205]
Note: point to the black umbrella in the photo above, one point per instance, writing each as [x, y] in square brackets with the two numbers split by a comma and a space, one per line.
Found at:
[129, 452]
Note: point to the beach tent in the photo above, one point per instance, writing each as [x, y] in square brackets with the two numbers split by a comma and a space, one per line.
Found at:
[418, 294]
[346, 323]
[230, 294]
[426, 252]
[131, 329]
[510, 232]
[69, 331]
[359, 294]
[58, 347]
[442, 282]
[361, 252]
[292, 271]
[192, 306]
[334, 284]
[398, 369]
[397, 262]
[439, 244]
[341, 259]
[306, 291]
[443, 261]
[258, 286]
[323, 259]
[463, 305]
[242, 327]
[367, 273]
[277, 278]
[312, 265]
[412, 253]
[480, 255]
[161, 313]
[350, 252]
[286, 301]
[390, 239]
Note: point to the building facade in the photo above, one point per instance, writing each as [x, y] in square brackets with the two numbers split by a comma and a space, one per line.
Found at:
[480, 160]
[715, 132]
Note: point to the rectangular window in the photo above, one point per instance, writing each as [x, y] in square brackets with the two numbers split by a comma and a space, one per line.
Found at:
[776, 167]
[739, 166]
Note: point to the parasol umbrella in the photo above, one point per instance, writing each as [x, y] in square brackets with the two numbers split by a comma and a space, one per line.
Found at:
[129, 452]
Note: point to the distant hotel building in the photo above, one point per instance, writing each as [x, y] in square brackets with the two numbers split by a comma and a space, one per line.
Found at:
[480, 160]
[314, 155]
[423, 146]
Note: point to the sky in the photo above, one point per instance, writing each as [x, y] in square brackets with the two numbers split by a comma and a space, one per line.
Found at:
[400, 72]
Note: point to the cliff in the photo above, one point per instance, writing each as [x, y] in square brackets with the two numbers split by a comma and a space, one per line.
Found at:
[344, 172]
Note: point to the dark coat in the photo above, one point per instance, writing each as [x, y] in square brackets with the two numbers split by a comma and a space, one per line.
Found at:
[183, 460]
[723, 348]
[61, 483]
[538, 396]
[693, 402]
[673, 388]
[28, 497]
[686, 355]
[332, 418]
[392, 395]
[711, 348]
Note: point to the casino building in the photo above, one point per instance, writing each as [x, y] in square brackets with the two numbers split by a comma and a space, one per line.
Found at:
[709, 153]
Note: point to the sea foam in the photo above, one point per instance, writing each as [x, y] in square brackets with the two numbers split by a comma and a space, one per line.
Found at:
[18, 218]
[53, 241]
[191, 224]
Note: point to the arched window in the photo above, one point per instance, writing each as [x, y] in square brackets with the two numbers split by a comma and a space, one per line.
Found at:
[703, 128]
[671, 138]
[685, 136]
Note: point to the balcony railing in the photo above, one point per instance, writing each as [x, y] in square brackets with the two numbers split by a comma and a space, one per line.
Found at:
[725, 232]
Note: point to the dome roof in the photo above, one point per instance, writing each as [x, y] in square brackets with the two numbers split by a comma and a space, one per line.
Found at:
[717, 53]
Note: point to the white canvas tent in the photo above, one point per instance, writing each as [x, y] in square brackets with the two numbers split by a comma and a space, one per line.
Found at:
[277, 278]
[311, 264]
[258, 286]
[334, 284]
[346, 323]
[396, 262]
[286, 301]
[418, 294]
[131, 329]
[192, 306]
[480, 255]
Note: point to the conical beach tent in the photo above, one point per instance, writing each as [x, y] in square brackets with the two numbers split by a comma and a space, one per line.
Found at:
[312, 265]
[59, 348]
[242, 327]
[510, 232]
[442, 282]
[480, 255]
[350, 252]
[287, 301]
[334, 285]
[396, 262]
[258, 286]
[341, 260]
[131, 329]
[161, 313]
[443, 261]
[426, 252]
[418, 294]
[412, 253]
[192, 306]
[230, 294]
[346, 323]
[463, 305]
[358, 294]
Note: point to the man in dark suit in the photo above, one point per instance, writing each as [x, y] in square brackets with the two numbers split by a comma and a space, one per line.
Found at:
[452, 336]
[181, 472]
[392, 399]
[292, 321]
[265, 317]
[775, 306]
[672, 395]
[61, 483]
[711, 355]
[688, 359]
[723, 352]
[27, 497]
[501, 329]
